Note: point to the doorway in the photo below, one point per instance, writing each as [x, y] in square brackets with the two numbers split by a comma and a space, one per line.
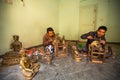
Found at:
[87, 18]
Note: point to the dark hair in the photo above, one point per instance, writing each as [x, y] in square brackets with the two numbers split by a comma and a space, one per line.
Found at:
[103, 27]
[49, 29]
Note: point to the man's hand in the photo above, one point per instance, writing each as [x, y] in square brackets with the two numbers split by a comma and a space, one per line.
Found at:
[50, 40]
[89, 37]
[102, 41]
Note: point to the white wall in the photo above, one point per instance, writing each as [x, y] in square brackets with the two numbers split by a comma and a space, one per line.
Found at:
[29, 21]
[113, 21]
[107, 14]
[69, 18]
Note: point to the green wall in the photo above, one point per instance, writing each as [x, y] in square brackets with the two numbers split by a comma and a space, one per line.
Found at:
[30, 21]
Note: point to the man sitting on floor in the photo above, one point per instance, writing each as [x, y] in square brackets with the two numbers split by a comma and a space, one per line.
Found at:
[48, 39]
[98, 35]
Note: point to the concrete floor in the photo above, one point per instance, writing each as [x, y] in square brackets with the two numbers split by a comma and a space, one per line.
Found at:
[68, 69]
